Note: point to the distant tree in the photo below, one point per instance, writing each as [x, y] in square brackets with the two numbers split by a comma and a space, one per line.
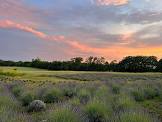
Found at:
[95, 60]
[100, 60]
[77, 60]
[159, 66]
[128, 64]
[113, 65]
[138, 64]
[89, 60]
[36, 62]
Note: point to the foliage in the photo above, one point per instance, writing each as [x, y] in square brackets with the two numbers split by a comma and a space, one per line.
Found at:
[69, 92]
[11, 73]
[128, 64]
[75, 101]
[151, 93]
[145, 93]
[101, 97]
[84, 96]
[52, 95]
[122, 103]
[64, 115]
[36, 106]
[27, 98]
[115, 89]
[159, 66]
[134, 116]
[17, 90]
[97, 111]
[138, 95]
[138, 64]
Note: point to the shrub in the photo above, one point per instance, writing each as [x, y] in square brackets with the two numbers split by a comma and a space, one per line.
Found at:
[115, 89]
[97, 111]
[36, 106]
[123, 103]
[75, 101]
[17, 90]
[41, 91]
[101, 92]
[53, 95]
[84, 96]
[64, 115]
[10, 110]
[138, 95]
[146, 93]
[69, 92]
[27, 98]
[150, 93]
[160, 95]
[135, 117]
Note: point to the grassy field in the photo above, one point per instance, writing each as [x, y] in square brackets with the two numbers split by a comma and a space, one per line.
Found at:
[73, 96]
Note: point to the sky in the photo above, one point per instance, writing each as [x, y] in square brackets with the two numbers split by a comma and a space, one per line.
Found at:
[62, 29]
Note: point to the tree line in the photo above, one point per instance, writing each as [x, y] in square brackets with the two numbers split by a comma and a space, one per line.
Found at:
[127, 64]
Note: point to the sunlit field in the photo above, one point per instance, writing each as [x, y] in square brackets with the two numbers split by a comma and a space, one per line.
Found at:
[36, 95]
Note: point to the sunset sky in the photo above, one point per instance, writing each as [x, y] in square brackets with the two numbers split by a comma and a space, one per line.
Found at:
[62, 29]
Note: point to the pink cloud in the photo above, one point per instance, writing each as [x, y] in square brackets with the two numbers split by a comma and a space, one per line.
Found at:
[117, 51]
[112, 2]
[39, 34]
[11, 24]
[13, 8]
[17, 10]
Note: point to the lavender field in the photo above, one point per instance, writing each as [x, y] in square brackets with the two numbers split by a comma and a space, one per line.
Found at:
[34, 95]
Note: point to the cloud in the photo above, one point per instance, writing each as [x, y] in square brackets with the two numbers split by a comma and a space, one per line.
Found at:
[72, 42]
[14, 8]
[112, 2]
[114, 51]
[11, 24]
[18, 11]
[39, 34]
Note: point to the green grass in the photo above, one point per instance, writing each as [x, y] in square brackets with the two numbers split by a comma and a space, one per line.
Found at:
[33, 77]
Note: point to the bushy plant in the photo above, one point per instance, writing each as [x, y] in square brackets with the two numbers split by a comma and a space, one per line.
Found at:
[138, 95]
[101, 92]
[115, 89]
[136, 117]
[160, 95]
[41, 91]
[27, 98]
[10, 110]
[69, 92]
[97, 111]
[151, 93]
[75, 101]
[84, 96]
[123, 103]
[64, 115]
[36, 106]
[17, 90]
[52, 95]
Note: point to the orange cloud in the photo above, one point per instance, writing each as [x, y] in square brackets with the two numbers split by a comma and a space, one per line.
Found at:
[118, 52]
[112, 2]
